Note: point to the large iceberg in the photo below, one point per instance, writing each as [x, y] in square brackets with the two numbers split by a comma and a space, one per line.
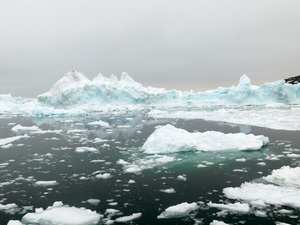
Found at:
[169, 139]
[75, 94]
[75, 89]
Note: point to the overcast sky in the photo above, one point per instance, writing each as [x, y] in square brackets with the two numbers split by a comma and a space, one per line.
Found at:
[187, 44]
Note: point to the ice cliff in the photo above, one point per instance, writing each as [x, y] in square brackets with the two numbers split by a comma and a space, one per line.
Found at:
[75, 89]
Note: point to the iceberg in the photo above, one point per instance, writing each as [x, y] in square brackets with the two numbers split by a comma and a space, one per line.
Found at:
[75, 94]
[169, 139]
[74, 89]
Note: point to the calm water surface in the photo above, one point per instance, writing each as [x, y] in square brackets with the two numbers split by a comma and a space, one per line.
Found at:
[52, 156]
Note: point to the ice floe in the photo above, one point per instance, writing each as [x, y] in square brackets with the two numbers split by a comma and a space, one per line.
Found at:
[62, 214]
[285, 176]
[177, 211]
[46, 183]
[268, 193]
[168, 139]
[125, 219]
[5, 141]
[234, 207]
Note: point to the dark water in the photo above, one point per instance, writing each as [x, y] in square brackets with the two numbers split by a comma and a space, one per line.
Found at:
[52, 156]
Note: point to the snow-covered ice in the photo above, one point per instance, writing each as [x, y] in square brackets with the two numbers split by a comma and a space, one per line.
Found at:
[168, 139]
[125, 219]
[234, 207]
[177, 211]
[86, 149]
[62, 214]
[217, 222]
[46, 183]
[5, 141]
[99, 123]
[285, 176]
[20, 128]
[268, 193]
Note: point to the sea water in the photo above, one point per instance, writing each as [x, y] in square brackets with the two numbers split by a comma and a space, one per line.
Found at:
[192, 176]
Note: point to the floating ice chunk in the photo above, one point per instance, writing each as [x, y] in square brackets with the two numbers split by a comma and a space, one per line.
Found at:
[20, 128]
[268, 193]
[86, 149]
[217, 222]
[63, 215]
[6, 141]
[168, 139]
[14, 222]
[104, 176]
[233, 207]
[241, 160]
[285, 176]
[100, 123]
[122, 162]
[147, 163]
[260, 213]
[46, 183]
[126, 219]
[168, 190]
[177, 211]
[9, 208]
[181, 177]
[93, 201]
[293, 155]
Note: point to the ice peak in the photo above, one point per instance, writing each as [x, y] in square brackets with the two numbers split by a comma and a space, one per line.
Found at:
[113, 78]
[72, 79]
[126, 77]
[244, 81]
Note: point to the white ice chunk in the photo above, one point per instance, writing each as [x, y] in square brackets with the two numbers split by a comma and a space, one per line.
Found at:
[126, 219]
[233, 207]
[9, 208]
[217, 222]
[268, 193]
[93, 201]
[168, 190]
[5, 141]
[63, 215]
[14, 222]
[86, 149]
[100, 123]
[285, 176]
[46, 183]
[20, 128]
[177, 211]
[104, 176]
[169, 139]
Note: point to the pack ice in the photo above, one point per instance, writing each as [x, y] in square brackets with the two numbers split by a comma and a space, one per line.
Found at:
[169, 139]
[283, 189]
